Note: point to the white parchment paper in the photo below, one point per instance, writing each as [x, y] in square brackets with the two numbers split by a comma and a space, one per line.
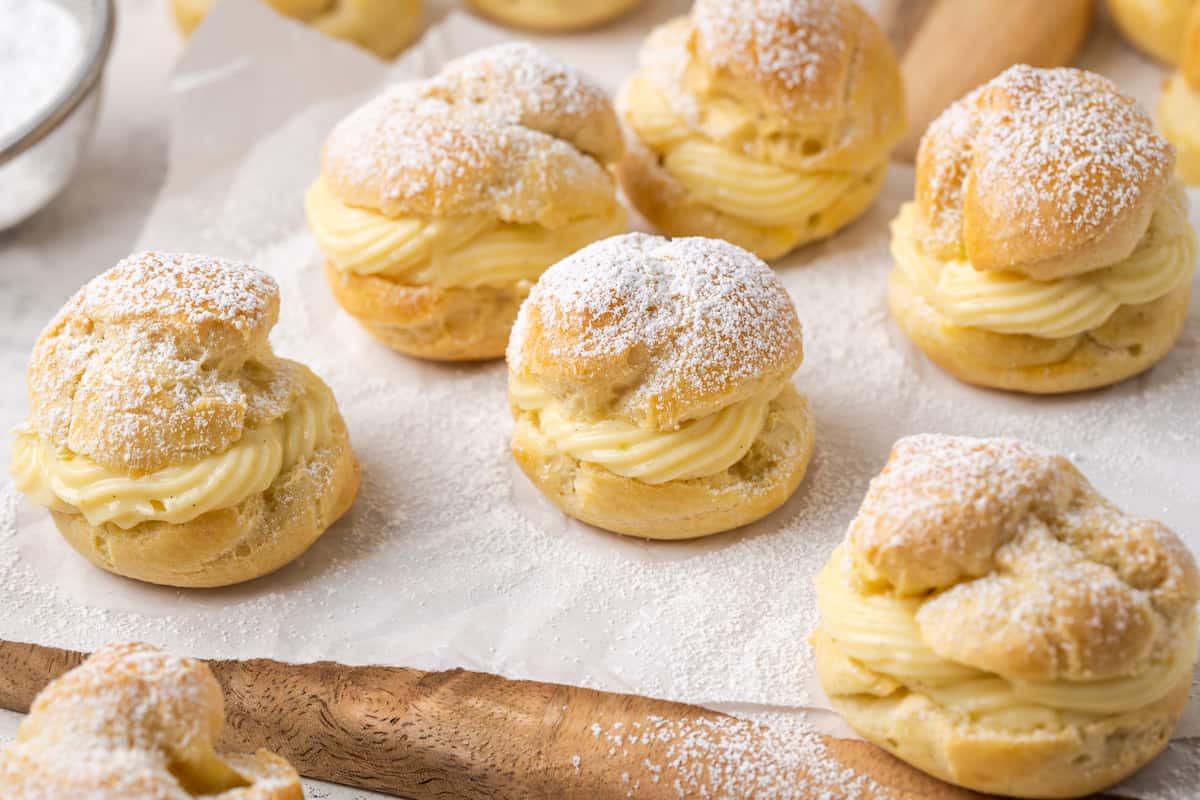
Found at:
[450, 558]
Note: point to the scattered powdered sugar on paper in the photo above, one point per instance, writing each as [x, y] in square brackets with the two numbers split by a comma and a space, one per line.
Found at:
[728, 757]
[449, 558]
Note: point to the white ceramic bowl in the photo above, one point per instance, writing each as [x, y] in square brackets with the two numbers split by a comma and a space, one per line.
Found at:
[38, 158]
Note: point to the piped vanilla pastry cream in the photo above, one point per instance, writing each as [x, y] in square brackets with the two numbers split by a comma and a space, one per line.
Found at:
[1155, 26]
[650, 383]
[440, 203]
[993, 621]
[384, 27]
[1179, 108]
[168, 441]
[1048, 248]
[554, 15]
[767, 123]
[133, 722]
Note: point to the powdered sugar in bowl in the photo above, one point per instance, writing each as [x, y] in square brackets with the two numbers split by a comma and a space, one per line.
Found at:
[52, 56]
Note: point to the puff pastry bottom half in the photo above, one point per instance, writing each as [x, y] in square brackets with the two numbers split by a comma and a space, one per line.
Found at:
[444, 324]
[1070, 760]
[1131, 341]
[259, 535]
[752, 488]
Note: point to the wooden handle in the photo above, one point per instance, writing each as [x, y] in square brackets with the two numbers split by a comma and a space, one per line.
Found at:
[468, 735]
[949, 47]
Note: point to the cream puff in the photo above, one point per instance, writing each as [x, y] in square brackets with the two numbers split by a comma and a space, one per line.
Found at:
[169, 442]
[554, 15]
[768, 124]
[383, 26]
[993, 621]
[132, 722]
[650, 384]
[1179, 108]
[1155, 26]
[1048, 249]
[440, 203]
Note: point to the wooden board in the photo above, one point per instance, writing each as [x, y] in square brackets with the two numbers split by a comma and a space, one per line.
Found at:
[468, 735]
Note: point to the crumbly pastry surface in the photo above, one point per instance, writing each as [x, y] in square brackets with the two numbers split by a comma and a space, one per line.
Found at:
[1155, 26]
[383, 26]
[133, 722]
[168, 440]
[650, 383]
[440, 202]
[768, 122]
[994, 621]
[1047, 249]
[554, 15]
[1179, 108]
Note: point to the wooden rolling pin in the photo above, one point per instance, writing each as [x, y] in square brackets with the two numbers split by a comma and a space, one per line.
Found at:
[949, 47]
[468, 735]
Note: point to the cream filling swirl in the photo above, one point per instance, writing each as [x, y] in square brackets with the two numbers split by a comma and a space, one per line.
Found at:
[697, 448]
[1008, 302]
[732, 183]
[881, 633]
[466, 251]
[70, 482]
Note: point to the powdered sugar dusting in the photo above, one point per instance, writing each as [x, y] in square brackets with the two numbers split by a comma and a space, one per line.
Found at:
[154, 348]
[505, 128]
[947, 503]
[713, 756]
[711, 315]
[1057, 148]
[200, 290]
[791, 43]
[517, 82]
[1043, 579]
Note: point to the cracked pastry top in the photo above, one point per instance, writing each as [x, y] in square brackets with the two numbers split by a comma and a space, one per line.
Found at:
[994, 621]
[650, 383]
[767, 123]
[168, 441]
[133, 722]
[440, 202]
[1048, 248]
